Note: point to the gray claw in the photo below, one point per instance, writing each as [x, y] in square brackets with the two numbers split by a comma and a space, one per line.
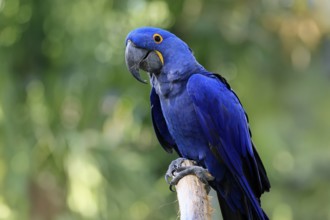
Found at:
[176, 172]
[172, 168]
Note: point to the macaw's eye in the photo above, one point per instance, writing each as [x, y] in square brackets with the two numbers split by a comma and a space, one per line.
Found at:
[158, 38]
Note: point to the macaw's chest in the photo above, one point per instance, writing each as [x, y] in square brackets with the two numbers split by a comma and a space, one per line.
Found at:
[183, 125]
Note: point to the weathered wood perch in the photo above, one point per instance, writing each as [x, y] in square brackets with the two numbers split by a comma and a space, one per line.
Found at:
[194, 203]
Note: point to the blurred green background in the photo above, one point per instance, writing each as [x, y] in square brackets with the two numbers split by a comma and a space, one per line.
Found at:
[76, 140]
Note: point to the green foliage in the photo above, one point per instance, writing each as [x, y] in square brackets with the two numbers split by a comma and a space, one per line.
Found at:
[75, 131]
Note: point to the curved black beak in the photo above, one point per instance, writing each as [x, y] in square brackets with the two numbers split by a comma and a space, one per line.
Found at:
[138, 58]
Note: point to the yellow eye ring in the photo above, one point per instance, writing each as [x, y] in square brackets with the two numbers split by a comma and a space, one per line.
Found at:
[157, 38]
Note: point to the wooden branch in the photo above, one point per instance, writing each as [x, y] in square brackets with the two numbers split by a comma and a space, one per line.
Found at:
[194, 203]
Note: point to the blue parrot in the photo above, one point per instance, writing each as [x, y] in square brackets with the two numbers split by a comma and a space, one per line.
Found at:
[197, 114]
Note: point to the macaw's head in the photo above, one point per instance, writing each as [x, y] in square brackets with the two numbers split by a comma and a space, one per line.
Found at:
[160, 53]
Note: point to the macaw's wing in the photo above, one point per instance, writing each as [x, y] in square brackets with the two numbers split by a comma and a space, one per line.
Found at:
[159, 124]
[224, 124]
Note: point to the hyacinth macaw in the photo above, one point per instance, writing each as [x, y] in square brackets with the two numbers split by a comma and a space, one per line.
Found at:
[196, 113]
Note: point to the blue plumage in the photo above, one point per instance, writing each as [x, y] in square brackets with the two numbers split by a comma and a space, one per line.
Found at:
[196, 113]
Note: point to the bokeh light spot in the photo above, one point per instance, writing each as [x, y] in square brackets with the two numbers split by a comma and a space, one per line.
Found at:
[2, 4]
[5, 211]
[84, 182]
[11, 8]
[9, 36]
[25, 13]
[309, 32]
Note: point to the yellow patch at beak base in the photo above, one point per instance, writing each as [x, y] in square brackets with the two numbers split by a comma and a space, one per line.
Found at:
[159, 54]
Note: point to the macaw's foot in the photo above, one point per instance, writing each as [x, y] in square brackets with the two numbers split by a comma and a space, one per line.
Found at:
[177, 171]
